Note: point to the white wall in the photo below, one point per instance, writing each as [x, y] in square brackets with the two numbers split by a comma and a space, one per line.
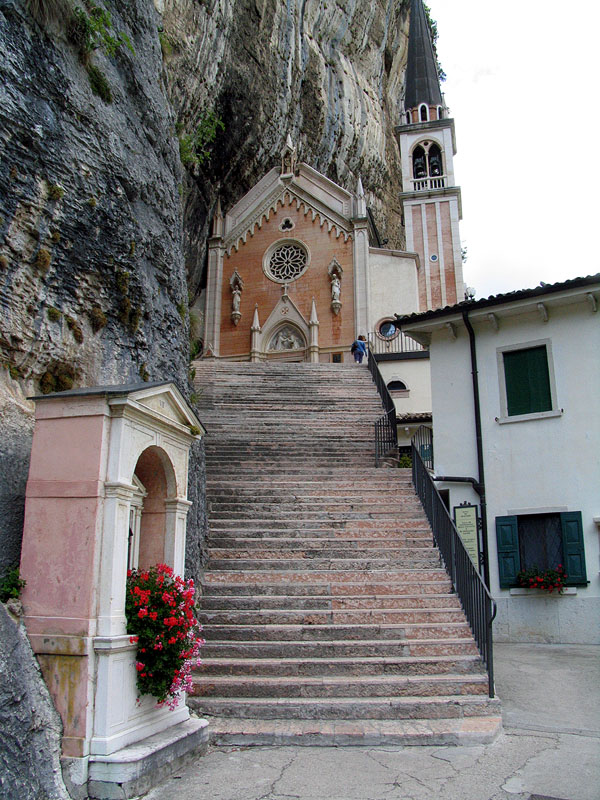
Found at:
[393, 287]
[535, 465]
[415, 373]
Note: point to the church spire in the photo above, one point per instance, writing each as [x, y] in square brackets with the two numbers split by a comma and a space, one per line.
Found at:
[423, 96]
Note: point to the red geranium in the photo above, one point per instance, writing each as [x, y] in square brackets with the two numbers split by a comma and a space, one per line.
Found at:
[160, 615]
[547, 580]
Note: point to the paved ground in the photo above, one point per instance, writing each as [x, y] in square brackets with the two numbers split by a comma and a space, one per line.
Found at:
[550, 748]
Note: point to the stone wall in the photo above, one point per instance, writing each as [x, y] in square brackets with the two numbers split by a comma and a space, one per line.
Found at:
[31, 728]
[92, 276]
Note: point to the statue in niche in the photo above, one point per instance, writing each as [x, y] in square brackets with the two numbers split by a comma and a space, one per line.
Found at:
[286, 339]
[336, 288]
[236, 284]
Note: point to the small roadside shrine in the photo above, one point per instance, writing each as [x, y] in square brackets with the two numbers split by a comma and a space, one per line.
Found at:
[107, 492]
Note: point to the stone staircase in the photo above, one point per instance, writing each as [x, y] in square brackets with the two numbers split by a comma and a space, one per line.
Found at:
[327, 615]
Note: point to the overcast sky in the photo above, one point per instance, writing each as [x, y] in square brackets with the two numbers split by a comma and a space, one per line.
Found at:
[527, 114]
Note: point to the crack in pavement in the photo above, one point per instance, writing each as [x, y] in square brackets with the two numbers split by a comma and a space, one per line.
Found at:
[271, 791]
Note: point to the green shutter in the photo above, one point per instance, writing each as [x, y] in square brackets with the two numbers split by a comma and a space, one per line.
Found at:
[573, 549]
[527, 381]
[509, 563]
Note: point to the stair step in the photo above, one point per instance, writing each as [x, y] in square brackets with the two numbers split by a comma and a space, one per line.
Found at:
[327, 602]
[348, 666]
[355, 631]
[341, 648]
[349, 708]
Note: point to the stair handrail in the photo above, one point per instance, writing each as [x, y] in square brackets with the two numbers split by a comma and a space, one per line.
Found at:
[477, 603]
[386, 428]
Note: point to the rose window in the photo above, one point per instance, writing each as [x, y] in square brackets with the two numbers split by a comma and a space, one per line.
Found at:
[287, 262]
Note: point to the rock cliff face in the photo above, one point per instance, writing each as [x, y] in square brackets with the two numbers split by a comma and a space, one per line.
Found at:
[329, 74]
[92, 276]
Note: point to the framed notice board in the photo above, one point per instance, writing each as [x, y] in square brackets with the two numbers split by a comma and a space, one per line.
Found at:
[466, 520]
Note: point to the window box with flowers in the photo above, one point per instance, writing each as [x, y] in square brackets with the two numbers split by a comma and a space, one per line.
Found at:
[543, 552]
[161, 620]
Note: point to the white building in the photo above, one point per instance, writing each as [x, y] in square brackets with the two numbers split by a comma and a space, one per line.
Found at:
[537, 465]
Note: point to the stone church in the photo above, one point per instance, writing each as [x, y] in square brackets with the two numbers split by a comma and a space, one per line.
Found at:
[297, 269]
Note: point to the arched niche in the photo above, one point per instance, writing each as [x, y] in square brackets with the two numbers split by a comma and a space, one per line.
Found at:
[154, 471]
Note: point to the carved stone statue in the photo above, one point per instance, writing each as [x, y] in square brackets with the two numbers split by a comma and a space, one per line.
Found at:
[236, 299]
[336, 288]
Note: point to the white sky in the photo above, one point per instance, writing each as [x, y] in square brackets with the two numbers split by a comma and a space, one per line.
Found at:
[520, 90]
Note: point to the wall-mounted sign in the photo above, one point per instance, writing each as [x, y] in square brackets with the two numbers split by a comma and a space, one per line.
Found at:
[466, 521]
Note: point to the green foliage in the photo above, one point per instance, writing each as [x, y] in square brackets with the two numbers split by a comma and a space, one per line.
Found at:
[144, 374]
[433, 30]
[73, 326]
[165, 44]
[11, 585]
[55, 237]
[194, 148]
[53, 314]
[134, 319]
[195, 430]
[59, 377]
[99, 83]
[182, 310]
[122, 280]
[89, 32]
[92, 202]
[55, 191]
[97, 318]
[43, 260]
[405, 461]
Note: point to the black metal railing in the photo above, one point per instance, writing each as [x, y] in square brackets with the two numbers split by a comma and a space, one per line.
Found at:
[397, 344]
[386, 430]
[476, 601]
[423, 441]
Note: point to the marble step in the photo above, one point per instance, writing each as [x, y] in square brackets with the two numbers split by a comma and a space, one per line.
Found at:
[347, 708]
[327, 602]
[350, 632]
[394, 649]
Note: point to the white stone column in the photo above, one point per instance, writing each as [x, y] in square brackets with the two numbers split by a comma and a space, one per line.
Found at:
[214, 285]
[255, 343]
[314, 334]
[175, 527]
[361, 277]
[113, 564]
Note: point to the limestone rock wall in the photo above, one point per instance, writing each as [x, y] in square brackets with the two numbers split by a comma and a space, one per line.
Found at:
[92, 275]
[329, 74]
[30, 725]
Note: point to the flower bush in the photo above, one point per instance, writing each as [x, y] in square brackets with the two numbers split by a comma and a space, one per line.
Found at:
[548, 580]
[160, 613]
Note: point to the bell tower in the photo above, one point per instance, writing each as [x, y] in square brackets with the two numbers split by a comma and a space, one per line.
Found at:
[430, 198]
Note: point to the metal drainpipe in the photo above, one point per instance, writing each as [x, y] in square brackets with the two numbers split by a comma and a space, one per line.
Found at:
[479, 441]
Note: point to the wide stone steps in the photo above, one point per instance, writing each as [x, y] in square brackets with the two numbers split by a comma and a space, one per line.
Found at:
[331, 630]
[370, 686]
[327, 615]
[340, 666]
[347, 708]
[326, 602]
[324, 651]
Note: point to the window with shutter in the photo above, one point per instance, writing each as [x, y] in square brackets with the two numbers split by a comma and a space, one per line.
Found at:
[527, 381]
[543, 541]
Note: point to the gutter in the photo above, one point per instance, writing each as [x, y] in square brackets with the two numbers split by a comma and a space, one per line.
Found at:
[479, 441]
[456, 479]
